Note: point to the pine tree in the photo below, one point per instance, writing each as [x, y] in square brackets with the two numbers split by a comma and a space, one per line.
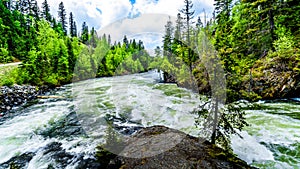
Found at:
[23, 6]
[199, 23]
[125, 41]
[222, 11]
[93, 38]
[109, 40]
[157, 51]
[62, 17]
[84, 33]
[72, 25]
[179, 28]
[34, 10]
[188, 15]
[167, 39]
[140, 45]
[75, 28]
[7, 4]
[46, 11]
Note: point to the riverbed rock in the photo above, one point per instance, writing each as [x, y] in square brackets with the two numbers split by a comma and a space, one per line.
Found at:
[275, 77]
[190, 152]
[66, 127]
[16, 95]
[18, 161]
[62, 158]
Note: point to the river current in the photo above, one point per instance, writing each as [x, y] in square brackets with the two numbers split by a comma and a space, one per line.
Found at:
[271, 141]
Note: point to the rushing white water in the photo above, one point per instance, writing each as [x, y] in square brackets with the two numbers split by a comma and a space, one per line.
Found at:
[137, 97]
[272, 140]
[17, 134]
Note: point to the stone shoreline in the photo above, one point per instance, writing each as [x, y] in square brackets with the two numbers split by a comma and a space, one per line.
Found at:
[18, 95]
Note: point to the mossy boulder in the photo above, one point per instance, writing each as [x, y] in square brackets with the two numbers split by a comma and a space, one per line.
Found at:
[276, 76]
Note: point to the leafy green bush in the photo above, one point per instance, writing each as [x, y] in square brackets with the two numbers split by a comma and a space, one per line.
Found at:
[9, 76]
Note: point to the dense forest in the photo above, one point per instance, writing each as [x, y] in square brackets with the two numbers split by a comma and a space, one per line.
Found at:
[50, 53]
[256, 42]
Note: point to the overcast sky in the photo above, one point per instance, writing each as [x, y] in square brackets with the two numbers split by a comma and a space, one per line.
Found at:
[142, 19]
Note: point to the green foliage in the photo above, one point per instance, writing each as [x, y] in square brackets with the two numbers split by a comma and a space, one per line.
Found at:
[62, 16]
[102, 59]
[231, 119]
[9, 75]
[284, 44]
[5, 56]
[247, 32]
[84, 33]
[48, 55]
[51, 60]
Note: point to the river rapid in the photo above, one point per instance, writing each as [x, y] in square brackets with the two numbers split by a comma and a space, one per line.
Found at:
[47, 127]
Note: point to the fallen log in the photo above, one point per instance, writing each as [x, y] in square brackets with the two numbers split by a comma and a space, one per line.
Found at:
[49, 97]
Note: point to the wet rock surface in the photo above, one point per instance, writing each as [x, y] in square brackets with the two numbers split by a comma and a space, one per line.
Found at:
[62, 158]
[277, 84]
[117, 124]
[66, 127]
[190, 152]
[18, 161]
[275, 81]
[16, 95]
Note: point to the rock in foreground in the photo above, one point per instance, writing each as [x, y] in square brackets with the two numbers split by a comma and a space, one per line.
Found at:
[142, 151]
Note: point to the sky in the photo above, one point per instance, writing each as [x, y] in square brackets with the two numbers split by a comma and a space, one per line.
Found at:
[140, 19]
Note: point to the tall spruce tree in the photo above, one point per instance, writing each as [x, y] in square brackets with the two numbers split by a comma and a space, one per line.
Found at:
[188, 15]
[72, 25]
[62, 16]
[167, 39]
[199, 23]
[46, 11]
[109, 40]
[75, 28]
[178, 28]
[222, 11]
[7, 4]
[34, 10]
[84, 33]
[23, 6]
[93, 38]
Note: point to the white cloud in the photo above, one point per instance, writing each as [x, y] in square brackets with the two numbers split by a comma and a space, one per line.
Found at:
[108, 19]
[113, 10]
[86, 10]
[144, 24]
[169, 7]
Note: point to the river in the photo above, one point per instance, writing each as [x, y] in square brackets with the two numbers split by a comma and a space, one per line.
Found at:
[271, 141]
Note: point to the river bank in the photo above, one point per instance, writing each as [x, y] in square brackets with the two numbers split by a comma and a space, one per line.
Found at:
[17, 95]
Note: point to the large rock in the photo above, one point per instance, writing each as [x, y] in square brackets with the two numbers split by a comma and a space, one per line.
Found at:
[142, 151]
[276, 77]
[276, 84]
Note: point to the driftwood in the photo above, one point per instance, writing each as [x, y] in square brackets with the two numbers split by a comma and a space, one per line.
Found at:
[48, 97]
